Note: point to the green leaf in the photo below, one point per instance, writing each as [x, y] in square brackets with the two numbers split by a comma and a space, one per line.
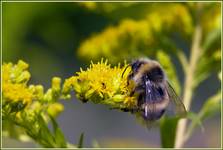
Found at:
[81, 139]
[169, 68]
[168, 131]
[58, 134]
[183, 60]
[211, 38]
[201, 77]
[207, 64]
[210, 108]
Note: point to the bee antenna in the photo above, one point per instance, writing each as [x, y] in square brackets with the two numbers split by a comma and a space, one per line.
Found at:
[125, 70]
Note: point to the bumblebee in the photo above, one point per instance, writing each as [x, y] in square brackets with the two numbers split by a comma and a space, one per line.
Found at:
[154, 93]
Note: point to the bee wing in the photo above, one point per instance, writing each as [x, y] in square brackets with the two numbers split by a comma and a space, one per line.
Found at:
[179, 108]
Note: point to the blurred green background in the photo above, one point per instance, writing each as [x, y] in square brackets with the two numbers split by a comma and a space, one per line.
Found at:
[50, 37]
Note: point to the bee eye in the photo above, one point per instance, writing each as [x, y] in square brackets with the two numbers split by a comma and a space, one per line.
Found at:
[136, 65]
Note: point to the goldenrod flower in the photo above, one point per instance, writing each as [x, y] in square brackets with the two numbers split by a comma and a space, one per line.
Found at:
[15, 73]
[14, 81]
[28, 106]
[103, 84]
[16, 93]
[134, 37]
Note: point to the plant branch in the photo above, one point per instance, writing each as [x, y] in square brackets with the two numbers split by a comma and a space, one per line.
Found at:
[188, 86]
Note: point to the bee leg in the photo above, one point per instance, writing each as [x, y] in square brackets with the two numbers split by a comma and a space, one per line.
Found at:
[130, 76]
[122, 109]
[125, 109]
[132, 92]
[131, 110]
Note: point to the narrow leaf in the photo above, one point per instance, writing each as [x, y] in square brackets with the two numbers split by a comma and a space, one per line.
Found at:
[58, 134]
[169, 67]
[81, 139]
[200, 78]
[210, 108]
[211, 38]
[183, 60]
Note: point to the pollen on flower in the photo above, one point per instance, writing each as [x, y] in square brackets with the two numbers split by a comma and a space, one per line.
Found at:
[102, 78]
[101, 83]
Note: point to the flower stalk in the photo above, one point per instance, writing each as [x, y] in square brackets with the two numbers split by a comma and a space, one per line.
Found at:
[188, 86]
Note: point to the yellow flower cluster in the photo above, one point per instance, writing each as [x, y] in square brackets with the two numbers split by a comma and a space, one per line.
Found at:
[134, 37]
[102, 84]
[27, 106]
[116, 39]
[17, 93]
[176, 18]
[14, 79]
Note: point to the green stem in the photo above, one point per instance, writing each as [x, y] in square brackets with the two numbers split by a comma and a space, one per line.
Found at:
[188, 86]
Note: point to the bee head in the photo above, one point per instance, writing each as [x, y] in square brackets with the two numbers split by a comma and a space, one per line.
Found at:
[136, 65]
[147, 69]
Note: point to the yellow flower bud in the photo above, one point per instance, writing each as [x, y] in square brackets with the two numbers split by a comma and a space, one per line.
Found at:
[48, 96]
[56, 83]
[89, 93]
[118, 98]
[39, 91]
[23, 77]
[54, 109]
[21, 64]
